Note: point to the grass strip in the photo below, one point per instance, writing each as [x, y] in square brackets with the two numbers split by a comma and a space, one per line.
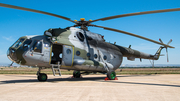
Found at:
[129, 71]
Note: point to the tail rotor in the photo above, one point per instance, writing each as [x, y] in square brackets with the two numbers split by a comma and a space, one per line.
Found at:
[166, 48]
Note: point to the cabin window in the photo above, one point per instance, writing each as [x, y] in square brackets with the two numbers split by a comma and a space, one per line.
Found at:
[95, 56]
[105, 57]
[88, 54]
[78, 53]
[80, 36]
[68, 51]
[37, 46]
[60, 55]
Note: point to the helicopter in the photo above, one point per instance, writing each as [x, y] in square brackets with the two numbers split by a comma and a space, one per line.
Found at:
[76, 48]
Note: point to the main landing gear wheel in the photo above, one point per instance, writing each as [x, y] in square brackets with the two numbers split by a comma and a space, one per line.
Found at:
[76, 74]
[111, 75]
[42, 77]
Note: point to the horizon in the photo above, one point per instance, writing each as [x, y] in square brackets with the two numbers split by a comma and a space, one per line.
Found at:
[122, 65]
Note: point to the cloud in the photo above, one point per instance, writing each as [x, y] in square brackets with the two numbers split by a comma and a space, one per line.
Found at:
[8, 38]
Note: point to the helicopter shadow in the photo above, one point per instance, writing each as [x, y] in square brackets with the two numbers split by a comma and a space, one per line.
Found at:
[96, 79]
[84, 78]
[52, 80]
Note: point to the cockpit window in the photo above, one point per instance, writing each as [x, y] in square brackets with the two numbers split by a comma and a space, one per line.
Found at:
[26, 44]
[18, 43]
[37, 46]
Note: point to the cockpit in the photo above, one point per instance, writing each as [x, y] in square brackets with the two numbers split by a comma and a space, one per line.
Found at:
[26, 47]
[40, 51]
[18, 48]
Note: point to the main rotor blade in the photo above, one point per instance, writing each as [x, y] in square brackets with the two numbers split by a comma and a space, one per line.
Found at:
[134, 35]
[37, 11]
[137, 13]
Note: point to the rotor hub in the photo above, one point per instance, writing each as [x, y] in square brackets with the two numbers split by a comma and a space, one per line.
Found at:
[83, 23]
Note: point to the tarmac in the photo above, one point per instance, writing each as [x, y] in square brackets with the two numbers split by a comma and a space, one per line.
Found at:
[90, 88]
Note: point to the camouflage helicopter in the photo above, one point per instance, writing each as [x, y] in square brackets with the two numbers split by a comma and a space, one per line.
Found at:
[77, 49]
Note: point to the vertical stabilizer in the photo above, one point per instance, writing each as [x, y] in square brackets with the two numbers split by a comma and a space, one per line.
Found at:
[158, 53]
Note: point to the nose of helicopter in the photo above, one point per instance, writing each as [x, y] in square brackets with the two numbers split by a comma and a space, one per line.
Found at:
[11, 54]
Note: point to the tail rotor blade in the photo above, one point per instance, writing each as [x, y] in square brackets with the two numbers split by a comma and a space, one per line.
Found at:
[167, 55]
[169, 42]
[160, 40]
[166, 48]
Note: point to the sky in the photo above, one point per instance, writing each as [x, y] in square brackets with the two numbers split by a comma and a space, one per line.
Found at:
[16, 23]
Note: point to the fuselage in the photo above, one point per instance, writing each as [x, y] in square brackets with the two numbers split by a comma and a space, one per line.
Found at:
[73, 49]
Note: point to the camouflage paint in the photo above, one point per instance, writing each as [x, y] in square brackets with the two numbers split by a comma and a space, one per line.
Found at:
[97, 45]
[61, 37]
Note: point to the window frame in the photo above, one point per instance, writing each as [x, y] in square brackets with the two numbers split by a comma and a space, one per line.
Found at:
[34, 43]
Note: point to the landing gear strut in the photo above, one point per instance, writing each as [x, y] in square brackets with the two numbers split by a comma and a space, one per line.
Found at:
[41, 76]
[76, 74]
[111, 75]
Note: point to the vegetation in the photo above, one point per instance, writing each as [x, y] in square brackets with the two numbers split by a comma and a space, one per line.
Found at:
[121, 71]
[135, 71]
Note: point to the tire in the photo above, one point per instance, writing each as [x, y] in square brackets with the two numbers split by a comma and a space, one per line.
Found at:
[42, 77]
[111, 75]
[76, 74]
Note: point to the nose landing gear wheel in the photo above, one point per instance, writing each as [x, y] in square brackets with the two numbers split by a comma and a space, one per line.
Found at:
[111, 75]
[42, 77]
[76, 74]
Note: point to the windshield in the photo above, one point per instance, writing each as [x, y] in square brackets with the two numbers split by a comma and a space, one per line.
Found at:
[18, 43]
